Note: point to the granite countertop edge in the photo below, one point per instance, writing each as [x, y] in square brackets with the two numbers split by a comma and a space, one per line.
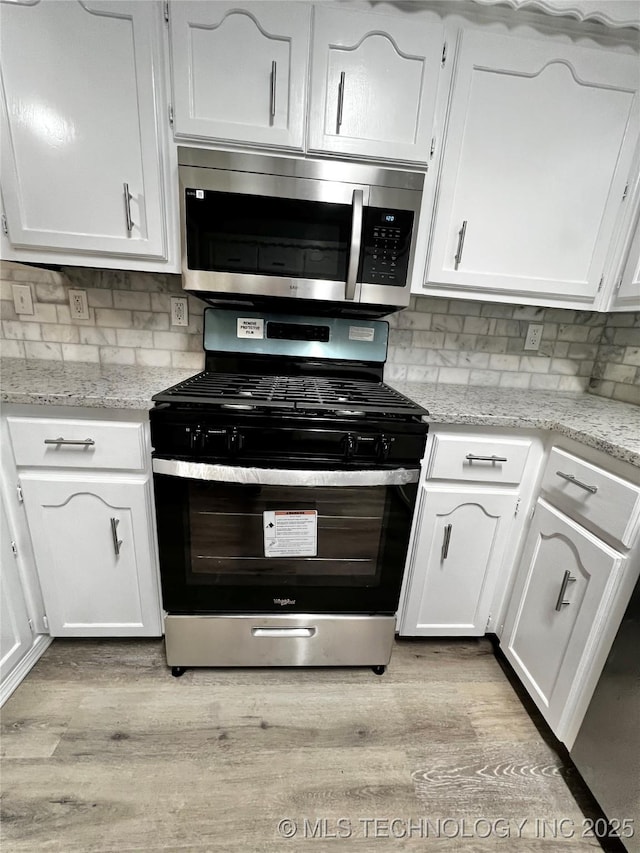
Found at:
[606, 425]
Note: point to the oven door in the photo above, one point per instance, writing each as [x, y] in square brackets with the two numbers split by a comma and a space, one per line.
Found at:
[250, 540]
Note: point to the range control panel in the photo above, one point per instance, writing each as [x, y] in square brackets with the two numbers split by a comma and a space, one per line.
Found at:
[386, 243]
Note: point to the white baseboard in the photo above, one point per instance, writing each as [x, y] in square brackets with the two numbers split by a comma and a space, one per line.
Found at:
[40, 644]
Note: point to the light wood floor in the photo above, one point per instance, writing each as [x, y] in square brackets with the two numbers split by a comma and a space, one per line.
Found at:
[104, 751]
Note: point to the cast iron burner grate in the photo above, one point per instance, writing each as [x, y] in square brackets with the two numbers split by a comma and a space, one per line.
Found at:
[308, 393]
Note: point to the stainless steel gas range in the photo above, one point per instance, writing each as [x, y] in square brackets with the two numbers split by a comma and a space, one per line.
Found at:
[285, 480]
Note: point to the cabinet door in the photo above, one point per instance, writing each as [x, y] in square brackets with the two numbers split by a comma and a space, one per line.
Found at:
[240, 72]
[373, 85]
[557, 603]
[459, 546]
[16, 637]
[627, 295]
[538, 149]
[93, 544]
[81, 158]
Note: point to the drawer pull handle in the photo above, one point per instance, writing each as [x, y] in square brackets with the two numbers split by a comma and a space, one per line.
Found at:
[572, 479]
[473, 458]
[81, 442]
[117, 543]
[461, 235]
[283, 632]
[445, 541]
[566, 580]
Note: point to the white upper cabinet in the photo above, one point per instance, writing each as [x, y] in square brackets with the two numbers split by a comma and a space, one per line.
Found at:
[373, 84]
[240, 73]
[537, 154]
[81, 154]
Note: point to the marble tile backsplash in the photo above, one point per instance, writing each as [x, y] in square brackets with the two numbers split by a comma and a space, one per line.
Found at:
[616, 373]
[129, 318]
[482, 343]
[434, 340]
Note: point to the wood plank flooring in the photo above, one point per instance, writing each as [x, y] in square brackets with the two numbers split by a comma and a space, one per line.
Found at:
[102, 750]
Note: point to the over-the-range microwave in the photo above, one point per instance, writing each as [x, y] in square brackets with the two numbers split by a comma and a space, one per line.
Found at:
[339, 236]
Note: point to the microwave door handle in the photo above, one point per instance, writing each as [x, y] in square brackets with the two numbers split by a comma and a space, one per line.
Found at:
[354, 253]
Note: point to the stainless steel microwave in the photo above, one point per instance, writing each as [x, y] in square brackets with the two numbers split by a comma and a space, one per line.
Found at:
[339, 236]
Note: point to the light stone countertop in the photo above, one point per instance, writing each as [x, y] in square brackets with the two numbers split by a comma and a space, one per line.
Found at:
[607, 425]
[595, 421]
[58, 383]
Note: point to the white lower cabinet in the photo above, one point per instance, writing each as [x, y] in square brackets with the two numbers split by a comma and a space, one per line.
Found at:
[560, 601]
[92, 539]
[459, 547]
[16, 636]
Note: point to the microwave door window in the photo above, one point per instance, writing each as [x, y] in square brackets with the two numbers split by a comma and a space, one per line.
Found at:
[232, 232]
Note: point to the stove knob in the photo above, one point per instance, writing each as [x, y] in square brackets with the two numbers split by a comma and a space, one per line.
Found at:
[195, 437]
[385, 447]
[235, 440]
[350, 444]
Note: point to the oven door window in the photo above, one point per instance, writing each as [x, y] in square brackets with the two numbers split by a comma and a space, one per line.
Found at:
[257, 235]
[213, 551]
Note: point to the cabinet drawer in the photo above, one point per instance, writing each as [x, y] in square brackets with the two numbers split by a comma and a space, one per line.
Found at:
[100, 444]
[486, 460]
[588, 493]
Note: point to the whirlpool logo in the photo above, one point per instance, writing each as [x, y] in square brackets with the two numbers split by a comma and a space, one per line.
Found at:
[284, 601]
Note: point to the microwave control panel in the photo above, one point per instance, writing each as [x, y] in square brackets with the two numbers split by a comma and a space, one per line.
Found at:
[386, 244]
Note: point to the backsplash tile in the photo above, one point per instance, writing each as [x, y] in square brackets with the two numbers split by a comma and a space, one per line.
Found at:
[616, 372]
[128, 318]
[482, 343]
[460, 342]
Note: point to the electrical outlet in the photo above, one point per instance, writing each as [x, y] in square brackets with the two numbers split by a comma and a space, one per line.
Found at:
[179, 311]
[22, 299]
[534, 336]
[78, 305]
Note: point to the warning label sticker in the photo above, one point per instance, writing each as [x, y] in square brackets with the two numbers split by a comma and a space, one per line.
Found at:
[361, 333]
[250, 328]
[290, 533]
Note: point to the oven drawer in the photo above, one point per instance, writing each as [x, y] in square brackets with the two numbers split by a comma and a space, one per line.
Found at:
[589, 494]
[488, 459]
[291, 640]
[61, 443]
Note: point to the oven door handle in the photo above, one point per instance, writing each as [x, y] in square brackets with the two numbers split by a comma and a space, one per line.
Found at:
[283, 477]
[280, 633]
[356, 240]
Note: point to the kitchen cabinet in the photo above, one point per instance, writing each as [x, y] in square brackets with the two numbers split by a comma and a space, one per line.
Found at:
[83, 164]
[475, 489]
[374, 81]
[240, 72]
[16, 636]
[561, 598]
[627, 292]
[93, 547]
[86, 484]
[538, 151]
[580, 563]
[460, 544]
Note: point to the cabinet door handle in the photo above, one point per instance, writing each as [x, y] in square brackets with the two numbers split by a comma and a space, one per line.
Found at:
[445, 541]
[272, 107]
[340, 101]
[81, 442]
[127, 207]
[571, 478]
[473, 458]
[458, 255]
[566, 580]
[117, 543]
